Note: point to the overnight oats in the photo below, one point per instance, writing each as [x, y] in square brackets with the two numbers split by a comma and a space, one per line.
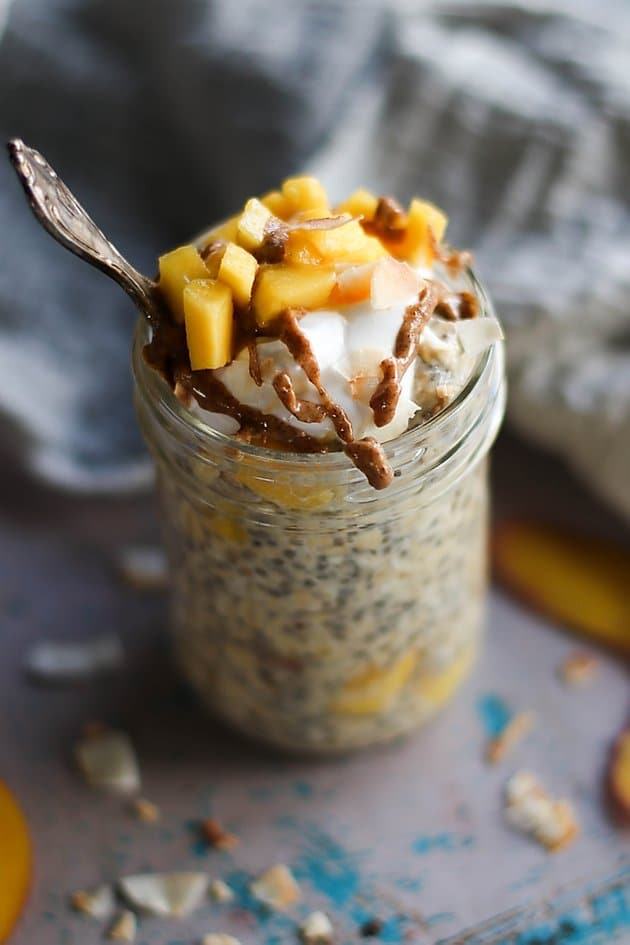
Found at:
[320, 394]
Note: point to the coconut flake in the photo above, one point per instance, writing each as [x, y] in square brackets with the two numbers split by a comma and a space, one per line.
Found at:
[219, 938]
[477, 334]
[124, 928]
[142, 566]
[393, 283]
[220, 891]
[108, 762]
[529, 808]
[165, 894]
[323, 223]
[52, 662]
[316, 929]
[276, 887]
[97, 902]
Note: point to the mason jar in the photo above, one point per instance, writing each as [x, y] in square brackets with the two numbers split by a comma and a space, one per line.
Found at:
[309, 610]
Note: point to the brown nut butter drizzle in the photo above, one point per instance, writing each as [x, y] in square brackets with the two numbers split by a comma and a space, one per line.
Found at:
[167, 352]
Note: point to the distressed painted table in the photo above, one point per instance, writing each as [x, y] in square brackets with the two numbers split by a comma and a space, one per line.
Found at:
[412, 834]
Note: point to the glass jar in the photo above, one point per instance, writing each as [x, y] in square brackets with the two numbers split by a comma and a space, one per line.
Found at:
[308, 609]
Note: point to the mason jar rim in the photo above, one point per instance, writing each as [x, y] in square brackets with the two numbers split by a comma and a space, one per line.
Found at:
[187, 422]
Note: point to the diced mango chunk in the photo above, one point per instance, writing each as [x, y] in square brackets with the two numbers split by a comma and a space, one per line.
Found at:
[362, 203]
[305, 193]
[224, 231]
[438, 688]
[177, 269]
[343, 244]
[277, 203]
[374, 690]
[250, 231]
[237, 270]
[425, 225]
[209, 328]
[279, 287]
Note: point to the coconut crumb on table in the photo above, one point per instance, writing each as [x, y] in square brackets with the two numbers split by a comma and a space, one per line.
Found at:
[530, 809]
[220, 891]
[124, 927]
[316, 929]
[578, 668]
[219, 938]
[276, 887]
[98, 902]
[142, 567]
[514, 730]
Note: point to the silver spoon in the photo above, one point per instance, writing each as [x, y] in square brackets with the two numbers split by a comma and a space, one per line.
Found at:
[59, 212]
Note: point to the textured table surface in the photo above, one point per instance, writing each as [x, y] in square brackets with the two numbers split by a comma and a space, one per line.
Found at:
[412, 833]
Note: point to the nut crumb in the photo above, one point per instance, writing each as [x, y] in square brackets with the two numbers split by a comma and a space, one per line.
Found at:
[276, 887]
[529, 808]
[578, 668]
[124, 927]
[516, 728]
[220, 891]
[146, 810]
[98, 903]
[219, 938]
[371, 927]
[214, 834]
[316, 929]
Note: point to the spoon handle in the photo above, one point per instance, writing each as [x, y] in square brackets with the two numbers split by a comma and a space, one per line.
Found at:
[59, 212]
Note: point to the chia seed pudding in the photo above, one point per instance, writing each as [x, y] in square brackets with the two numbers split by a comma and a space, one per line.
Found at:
[320, 406]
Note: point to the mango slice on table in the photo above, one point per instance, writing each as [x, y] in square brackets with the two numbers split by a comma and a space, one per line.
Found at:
[426, 225]
[237, 269]
[177, 269]
[305, 193]
[279, 287]
[15, 861]
[578, 582]
[208, 311]
[252, 223]
[373, 690]
[361, 203]
[619, 776]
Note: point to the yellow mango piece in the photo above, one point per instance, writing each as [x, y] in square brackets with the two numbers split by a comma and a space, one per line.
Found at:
[288, 494]
[237, 270]
[344, 244]
[250, 231]
[224, 231]
[15, 861]
[277, 203]
[209, 324]
[177, 269]
[375, 689]
[576, 581]
[361, 203]
[279, 287]
[619, 776]
[425, 224]
[438, 688]
[305, 193]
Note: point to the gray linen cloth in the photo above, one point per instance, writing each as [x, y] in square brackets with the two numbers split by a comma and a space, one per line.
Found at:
[163, 116]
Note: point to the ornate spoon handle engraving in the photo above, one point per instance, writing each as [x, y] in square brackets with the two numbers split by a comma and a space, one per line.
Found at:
[59, 212]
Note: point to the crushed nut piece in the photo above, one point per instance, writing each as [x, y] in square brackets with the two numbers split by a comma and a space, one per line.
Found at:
[146, 810]
[142, 566]
[276, 887]
[98, 903]
[214, 834]
[516, 728]
[530, 809]
[219, 938]
[371, 927]
[316, 929]
[124, 927]
[579, 667]
[220, 891]
[108, 761]
[165, 894]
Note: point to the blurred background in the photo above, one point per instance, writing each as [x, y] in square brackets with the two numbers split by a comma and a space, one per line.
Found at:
[163, 116]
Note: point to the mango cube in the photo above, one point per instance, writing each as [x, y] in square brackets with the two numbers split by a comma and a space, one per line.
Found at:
[224, 231]
[362, 203]
[237, 269]
[344, 244]
[280, 287]
[177, 269]
[209, 326]
[374, 690]
[277, 203]
[250, 231]
[305, 193]
[425, 224]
